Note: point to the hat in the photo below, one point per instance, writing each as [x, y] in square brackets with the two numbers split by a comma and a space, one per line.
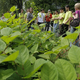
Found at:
[49, 10]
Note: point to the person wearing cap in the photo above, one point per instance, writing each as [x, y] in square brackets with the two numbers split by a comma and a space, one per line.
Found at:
[41, 17]
[48, 19]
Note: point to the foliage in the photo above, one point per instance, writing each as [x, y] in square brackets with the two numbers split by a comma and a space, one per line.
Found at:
[36, 54]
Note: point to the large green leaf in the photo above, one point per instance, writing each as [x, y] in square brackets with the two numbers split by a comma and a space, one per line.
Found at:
[72, 36]
[34, 48]
[25, 69]
[8, 39]
[15, 76]
[12, 57]
[32, 59]
[2, 57]
[16, 33]
[7, 15]
[63, 45]
[74, 54]
[49, 71]
[66, 70]
[6, 31]
[3, 24]
[45, 56]
[4, 74]
[2, 45]
[8, 50]
[12, 9]
[49, 52]
[36, 67]
[23, 54]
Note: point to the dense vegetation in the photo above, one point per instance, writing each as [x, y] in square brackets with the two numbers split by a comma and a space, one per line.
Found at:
[36, 54]
[46, 4]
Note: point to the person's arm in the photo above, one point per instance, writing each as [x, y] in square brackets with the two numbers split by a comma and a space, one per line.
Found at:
[56, 18]
[67, 21]
[75, 16]
[70, 16]
[61, 18]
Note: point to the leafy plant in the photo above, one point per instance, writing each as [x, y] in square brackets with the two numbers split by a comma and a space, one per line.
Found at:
[36, 54]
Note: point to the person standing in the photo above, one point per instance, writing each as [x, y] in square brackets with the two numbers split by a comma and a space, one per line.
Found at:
[30, 17]
[56, 22]
[48, 19]
[76, 15]
[25, 15]
[41, 17]
[21, 16]
[52, 19]
[61, 18]
[66, 22]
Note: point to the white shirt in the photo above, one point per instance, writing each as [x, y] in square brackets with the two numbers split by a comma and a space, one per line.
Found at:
[41, 17]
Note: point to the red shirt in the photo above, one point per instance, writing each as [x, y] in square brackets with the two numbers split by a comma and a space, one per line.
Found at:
[48, 18]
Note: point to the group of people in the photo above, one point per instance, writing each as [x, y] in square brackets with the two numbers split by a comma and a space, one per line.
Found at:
[60, 19]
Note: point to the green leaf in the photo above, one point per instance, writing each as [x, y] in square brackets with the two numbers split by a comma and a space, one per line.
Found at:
[2, 57]
[74, 54]
[12, 9]
[6, 31]
[34, 48]
[16, 33]
[49, 72]
[8, 39]
[66, 70]
[45, 56]
[63, 45]
[4, 74]
[7, 15]
[14, 77]
[3, 24]
[72, 36]
[23, 54]
[32, 59]
[49, 52]
[2, 45]
[25, 69]
[12, 57]
[8, 50]
[37, 66]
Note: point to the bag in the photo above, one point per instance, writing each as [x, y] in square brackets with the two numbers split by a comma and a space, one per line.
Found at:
[75, 22]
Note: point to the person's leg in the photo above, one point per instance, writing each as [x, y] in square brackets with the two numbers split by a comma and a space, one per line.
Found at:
[48, 24]
[57, 27]
[72, 29]
[65, 28]
[54, 28]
